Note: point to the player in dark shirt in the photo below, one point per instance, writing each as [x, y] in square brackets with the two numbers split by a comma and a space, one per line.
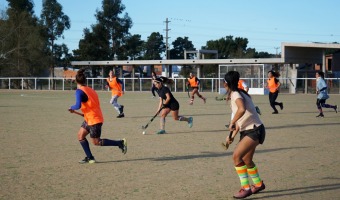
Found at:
[167, 103]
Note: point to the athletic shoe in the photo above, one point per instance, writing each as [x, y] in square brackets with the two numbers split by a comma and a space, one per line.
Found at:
[275, 112]
[87, 160]
[258, 110]
[255, 189]
[121, 109]
[336, 108]
[190, 122]
[320, 115]
[121, 115]
[123, 146]
[191, 102]
[243, 193]
[281, 106]
[160, 132]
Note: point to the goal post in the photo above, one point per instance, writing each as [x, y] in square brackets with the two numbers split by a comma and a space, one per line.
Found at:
[252, 74]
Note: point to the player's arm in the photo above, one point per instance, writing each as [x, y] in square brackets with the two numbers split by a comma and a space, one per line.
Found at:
[198, 81]
[107, 85]
[241, 109]
[80, 97]
[122, 84]
[160, 105]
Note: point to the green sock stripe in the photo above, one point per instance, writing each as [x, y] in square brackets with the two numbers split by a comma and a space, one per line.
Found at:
[253, 173]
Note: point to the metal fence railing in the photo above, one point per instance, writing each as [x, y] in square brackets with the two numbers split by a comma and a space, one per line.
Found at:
[300, 85]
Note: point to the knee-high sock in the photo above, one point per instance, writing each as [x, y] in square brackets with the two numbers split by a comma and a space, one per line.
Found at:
[243, 175]
[254, 174]
[327, 106]
[85, 144]
[107, 142]
[162, 122]
[182, 118]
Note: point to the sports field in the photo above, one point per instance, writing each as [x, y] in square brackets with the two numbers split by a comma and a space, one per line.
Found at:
[300, 158]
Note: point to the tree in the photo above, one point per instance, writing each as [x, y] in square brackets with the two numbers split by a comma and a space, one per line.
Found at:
[21, 6]
[179, 45]
[117, 27]
[55, 22]
[94, 46]
[22, 47]
[132, 49]
[177, 52]
[154, 47]
[62, 57]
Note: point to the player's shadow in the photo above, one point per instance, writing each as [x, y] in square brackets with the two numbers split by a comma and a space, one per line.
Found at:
[169, 115]
[199, 131]
[297, 191]
[198, 156]
[300, 125]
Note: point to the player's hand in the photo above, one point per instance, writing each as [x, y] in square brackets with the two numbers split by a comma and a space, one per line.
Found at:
[70, 110]
[229, 140]
[231, 127]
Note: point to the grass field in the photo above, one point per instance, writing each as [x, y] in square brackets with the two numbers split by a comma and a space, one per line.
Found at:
[40, 151]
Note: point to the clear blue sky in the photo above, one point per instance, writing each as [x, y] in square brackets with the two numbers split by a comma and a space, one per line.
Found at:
[266, 23]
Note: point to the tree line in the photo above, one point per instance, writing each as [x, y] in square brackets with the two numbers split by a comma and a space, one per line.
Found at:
[28, 44]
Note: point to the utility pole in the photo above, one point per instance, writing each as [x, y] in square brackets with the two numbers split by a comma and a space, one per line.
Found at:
[167, 68]
[276, 65]
[167, 36]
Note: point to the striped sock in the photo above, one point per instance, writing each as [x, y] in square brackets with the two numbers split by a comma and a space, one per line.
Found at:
[254, 174]
[243, 175]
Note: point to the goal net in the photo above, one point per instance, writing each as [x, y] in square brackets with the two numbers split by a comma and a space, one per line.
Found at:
[252, 74]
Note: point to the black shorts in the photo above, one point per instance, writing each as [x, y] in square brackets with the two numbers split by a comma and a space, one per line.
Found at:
[257, 134]
[173, 105]
[94, 130]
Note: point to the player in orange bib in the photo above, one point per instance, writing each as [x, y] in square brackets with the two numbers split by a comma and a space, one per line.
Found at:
[273, 85]
[194, 83]
[117, 88]
[87, 100]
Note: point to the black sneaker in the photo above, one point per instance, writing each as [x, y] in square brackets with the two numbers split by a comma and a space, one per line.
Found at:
[336, 108]
[121, 115]
[87, 160]
[281, 106]
[121, 109]
[320, 115]
[275, 112]
[123, 146]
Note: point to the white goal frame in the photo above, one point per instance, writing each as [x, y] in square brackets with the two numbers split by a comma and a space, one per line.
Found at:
[252, 90]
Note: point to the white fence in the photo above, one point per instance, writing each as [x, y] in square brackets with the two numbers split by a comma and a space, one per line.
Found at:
[299, 85]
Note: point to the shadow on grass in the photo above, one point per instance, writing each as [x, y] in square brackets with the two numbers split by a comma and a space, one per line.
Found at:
[300, 125]
[198, 156]
[298, 191]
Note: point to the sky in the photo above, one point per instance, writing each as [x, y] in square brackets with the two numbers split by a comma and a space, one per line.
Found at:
[265, 23]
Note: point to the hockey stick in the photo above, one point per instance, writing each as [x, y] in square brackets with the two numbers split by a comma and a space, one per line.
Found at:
[226, 145]
[149, 122]
[76, 112]
[221, 97]
[290, 80]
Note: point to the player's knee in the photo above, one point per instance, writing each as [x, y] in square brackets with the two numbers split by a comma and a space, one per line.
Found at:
[96, 142]
[236, 158]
